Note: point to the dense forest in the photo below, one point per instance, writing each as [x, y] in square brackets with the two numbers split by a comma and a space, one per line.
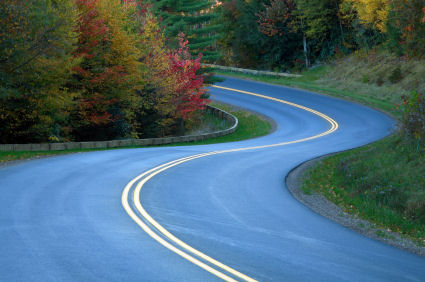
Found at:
[294, 34]
[74, 70]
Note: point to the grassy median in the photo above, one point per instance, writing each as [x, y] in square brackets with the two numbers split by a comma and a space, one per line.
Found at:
[250, 126]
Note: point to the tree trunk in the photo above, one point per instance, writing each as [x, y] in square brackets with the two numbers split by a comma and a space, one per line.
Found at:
[340, 22]
[305, 51]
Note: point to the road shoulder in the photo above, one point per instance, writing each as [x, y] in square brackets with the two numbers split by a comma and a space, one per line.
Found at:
[319, 204]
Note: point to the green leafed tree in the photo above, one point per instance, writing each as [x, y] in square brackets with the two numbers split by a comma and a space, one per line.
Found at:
[245, 45]
[260, 34]
[193, 18]
[322, 23]
[279, 20]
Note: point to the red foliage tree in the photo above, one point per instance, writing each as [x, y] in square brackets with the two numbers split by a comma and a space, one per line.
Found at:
[91, 75]
[109, 70]
[189, 85]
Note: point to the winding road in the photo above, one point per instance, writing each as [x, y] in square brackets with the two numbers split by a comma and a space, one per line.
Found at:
[197, 213]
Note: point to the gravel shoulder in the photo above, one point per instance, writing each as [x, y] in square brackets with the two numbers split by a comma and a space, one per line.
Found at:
[319, 204]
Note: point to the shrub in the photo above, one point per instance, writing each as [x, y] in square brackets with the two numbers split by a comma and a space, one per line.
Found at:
[414, 116]
[379, 81]
[396, 75]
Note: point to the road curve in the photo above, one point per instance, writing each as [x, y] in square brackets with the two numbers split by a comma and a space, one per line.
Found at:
[61, 218]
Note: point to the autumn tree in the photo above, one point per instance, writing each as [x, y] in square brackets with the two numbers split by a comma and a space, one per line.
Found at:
[172, 86]
[406, 27]
[36, 38]
[279, 20]
[154, 108]
[108, 73]
[373, 12]
[189, 92]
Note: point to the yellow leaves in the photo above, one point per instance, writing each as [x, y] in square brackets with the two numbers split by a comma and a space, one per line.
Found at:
[123, 51]
[373, 12]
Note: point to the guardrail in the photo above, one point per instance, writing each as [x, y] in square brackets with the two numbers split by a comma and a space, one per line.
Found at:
[130, 142]
[254, 72]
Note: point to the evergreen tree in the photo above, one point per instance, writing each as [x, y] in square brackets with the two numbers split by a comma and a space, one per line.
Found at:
[196, 19]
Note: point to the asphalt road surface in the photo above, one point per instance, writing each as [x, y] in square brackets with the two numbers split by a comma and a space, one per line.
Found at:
[68, 218]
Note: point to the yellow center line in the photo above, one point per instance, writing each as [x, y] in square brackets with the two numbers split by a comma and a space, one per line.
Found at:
[146, 176]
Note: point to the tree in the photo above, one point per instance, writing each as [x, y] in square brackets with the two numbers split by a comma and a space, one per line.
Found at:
[279, 20]
[108, 73]
[195, 19]
[373, 12]
[172, 88]
[322, 23]
[406, 26]
[154, 113]
[36, 38]
[227, 14]
[358, 35]
[248, 46]
[189, 93]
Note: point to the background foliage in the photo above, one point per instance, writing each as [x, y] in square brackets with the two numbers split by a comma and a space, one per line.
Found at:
[287, 34]
[102, 69]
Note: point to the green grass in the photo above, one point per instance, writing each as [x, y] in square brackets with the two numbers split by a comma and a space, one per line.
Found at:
[250, 126]
[383, 182]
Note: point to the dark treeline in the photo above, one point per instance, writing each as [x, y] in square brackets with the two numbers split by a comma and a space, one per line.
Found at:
[294, 34]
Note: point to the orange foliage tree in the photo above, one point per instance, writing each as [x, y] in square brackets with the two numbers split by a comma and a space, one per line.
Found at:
[108, 72]
[173, 89]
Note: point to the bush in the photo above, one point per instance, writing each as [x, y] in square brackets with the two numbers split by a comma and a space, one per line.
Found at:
[396, 75]
[414, 116]
[379, 81]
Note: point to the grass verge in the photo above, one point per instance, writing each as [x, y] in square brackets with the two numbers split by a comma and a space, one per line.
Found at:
[250, 126]
[382, 182]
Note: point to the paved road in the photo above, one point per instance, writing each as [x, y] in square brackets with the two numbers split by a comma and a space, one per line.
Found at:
[61, 218]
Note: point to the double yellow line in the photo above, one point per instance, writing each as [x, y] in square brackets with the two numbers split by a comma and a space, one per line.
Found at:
[168, 240]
